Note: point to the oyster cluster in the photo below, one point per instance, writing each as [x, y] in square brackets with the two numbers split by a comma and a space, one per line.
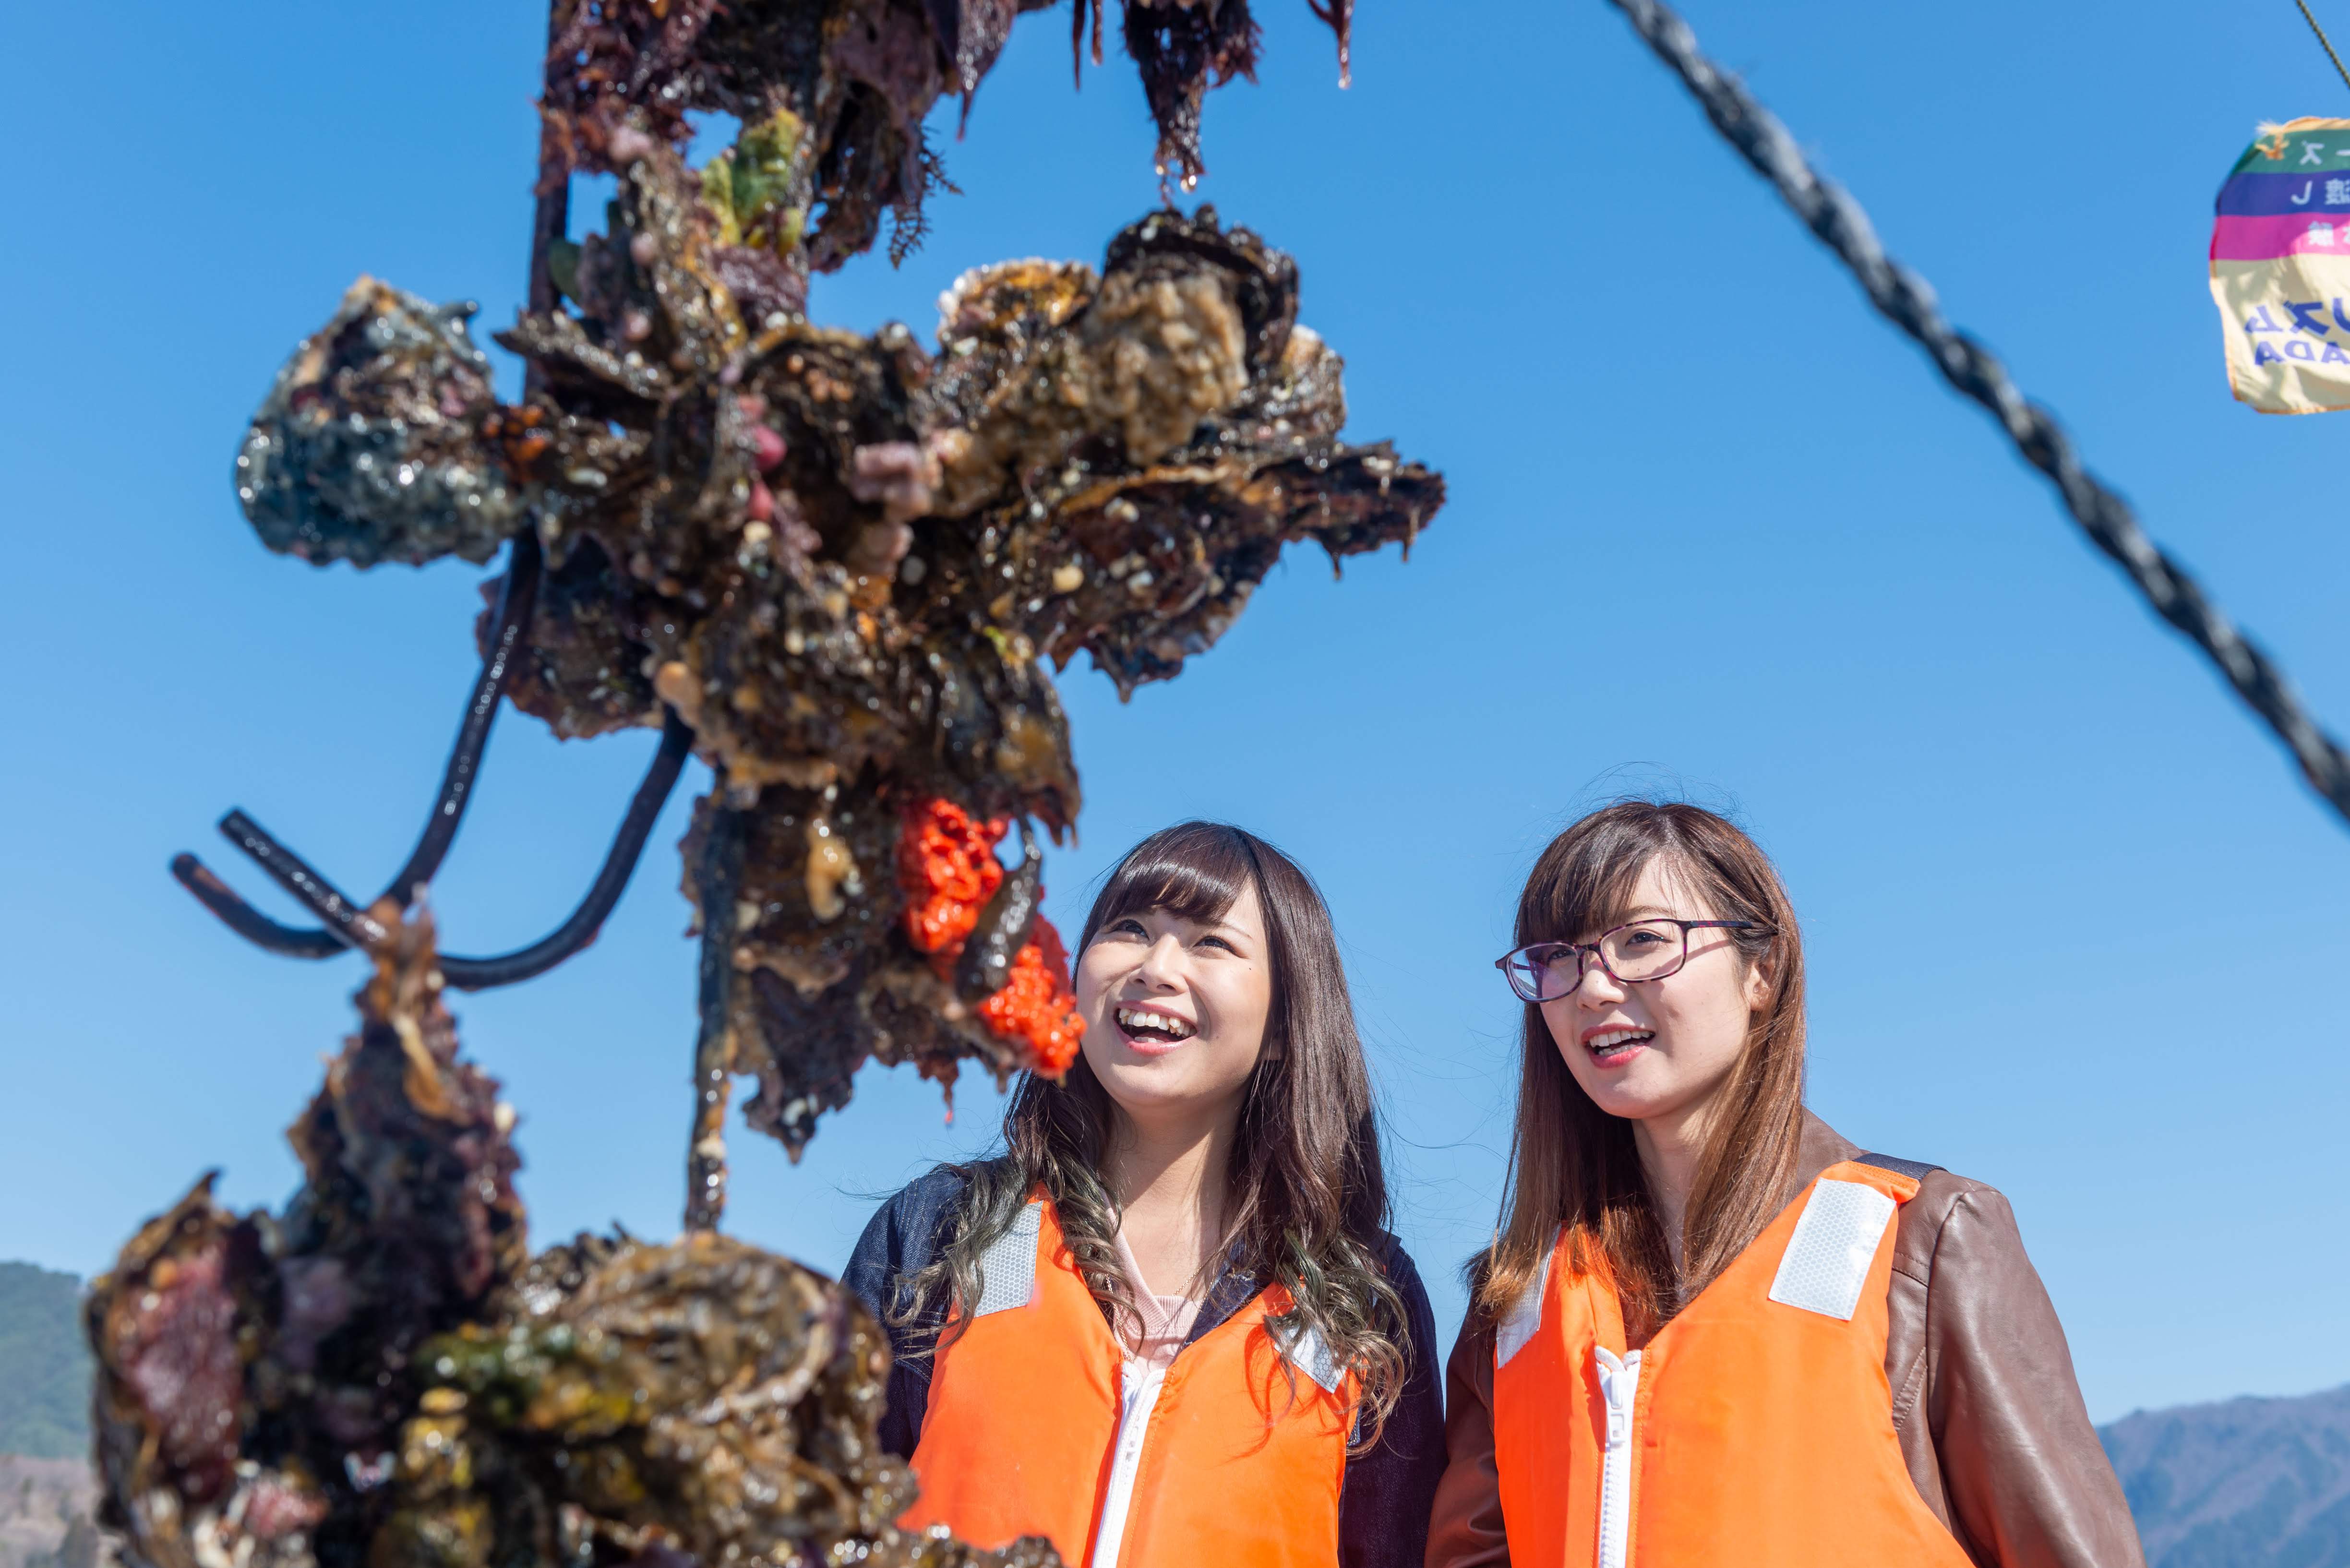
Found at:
[380, 1375]
[364, 449]
[841, 559]
[838, 563]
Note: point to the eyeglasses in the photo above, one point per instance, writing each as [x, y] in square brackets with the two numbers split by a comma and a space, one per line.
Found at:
[1632, 954]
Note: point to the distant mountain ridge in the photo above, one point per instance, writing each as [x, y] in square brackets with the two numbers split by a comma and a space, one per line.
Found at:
[44, 1367]
[2245, 1483]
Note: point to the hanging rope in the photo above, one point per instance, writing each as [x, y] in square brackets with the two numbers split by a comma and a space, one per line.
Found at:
[1908, 301]
[2322, 41]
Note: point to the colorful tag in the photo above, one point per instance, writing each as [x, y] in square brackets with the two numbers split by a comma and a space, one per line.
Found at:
[2280, 268]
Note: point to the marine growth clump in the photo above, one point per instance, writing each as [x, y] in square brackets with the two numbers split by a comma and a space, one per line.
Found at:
[832, 566]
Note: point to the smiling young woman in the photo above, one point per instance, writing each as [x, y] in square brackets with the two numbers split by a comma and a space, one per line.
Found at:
[1711, 1330]
[1167, 1325]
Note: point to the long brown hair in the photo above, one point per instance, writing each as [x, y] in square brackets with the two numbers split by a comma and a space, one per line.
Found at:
[1308, 1195]
[1574, 1167]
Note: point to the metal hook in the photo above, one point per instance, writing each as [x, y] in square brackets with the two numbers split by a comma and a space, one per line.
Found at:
[516, 599]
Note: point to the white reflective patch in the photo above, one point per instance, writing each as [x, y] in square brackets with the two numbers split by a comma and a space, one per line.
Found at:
[1517, 1330]
[1310, 1353]
[1835, 1239]
[1007, 1269]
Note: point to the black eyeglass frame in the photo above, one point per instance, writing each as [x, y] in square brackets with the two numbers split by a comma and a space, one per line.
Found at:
[1586, 951]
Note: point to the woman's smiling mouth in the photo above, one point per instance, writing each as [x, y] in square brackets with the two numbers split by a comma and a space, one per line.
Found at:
[1614, 1044]
[1150, 1031]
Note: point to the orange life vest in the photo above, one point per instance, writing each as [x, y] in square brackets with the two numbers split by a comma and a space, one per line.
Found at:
[1238, 1461]
[1756, 1429]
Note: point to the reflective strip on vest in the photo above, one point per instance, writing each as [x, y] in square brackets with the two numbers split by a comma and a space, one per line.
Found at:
[1754, 1428]
[1308, 1352]
[1224, 1458]
[1519, 1327]
[1007, 1269]
[1834, 1242]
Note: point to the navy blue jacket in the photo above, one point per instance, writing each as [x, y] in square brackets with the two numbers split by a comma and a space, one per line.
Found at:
[1384, 1501]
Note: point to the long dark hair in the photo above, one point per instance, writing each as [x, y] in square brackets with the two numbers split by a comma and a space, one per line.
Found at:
[1307, 1198]
[1573, 1166]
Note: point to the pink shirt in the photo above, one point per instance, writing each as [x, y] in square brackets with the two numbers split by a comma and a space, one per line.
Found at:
[1166, 1320]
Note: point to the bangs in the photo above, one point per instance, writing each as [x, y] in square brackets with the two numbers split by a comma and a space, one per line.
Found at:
[1591, 888]
[1196, 870]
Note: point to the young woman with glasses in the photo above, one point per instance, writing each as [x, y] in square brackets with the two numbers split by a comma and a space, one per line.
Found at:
[1166, 1324]
[1710, 1330]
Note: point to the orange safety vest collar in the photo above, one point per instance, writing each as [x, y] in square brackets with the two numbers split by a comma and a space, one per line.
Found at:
[1755, 1429]
[1239, 1458]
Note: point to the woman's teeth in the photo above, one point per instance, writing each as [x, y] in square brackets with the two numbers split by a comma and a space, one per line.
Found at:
[1618, 1039]
[1157, 1025]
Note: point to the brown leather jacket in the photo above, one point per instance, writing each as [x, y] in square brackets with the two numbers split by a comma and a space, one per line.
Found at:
[1984, 1399]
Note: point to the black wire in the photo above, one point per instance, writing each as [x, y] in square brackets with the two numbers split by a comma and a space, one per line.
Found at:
[348, 926]
[1908, 301]
[353, 925]
[270, 936]
[516, 599]
[2322, 41]
[611, 881]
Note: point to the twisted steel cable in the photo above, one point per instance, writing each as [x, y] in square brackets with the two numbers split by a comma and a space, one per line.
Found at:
[1908, 301]
[2322, 41]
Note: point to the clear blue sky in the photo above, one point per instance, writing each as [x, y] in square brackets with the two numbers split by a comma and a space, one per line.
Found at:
[2077, 931]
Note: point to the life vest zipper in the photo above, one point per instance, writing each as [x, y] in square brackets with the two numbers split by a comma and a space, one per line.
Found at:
[1619, 1384]
[1137, 1403]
